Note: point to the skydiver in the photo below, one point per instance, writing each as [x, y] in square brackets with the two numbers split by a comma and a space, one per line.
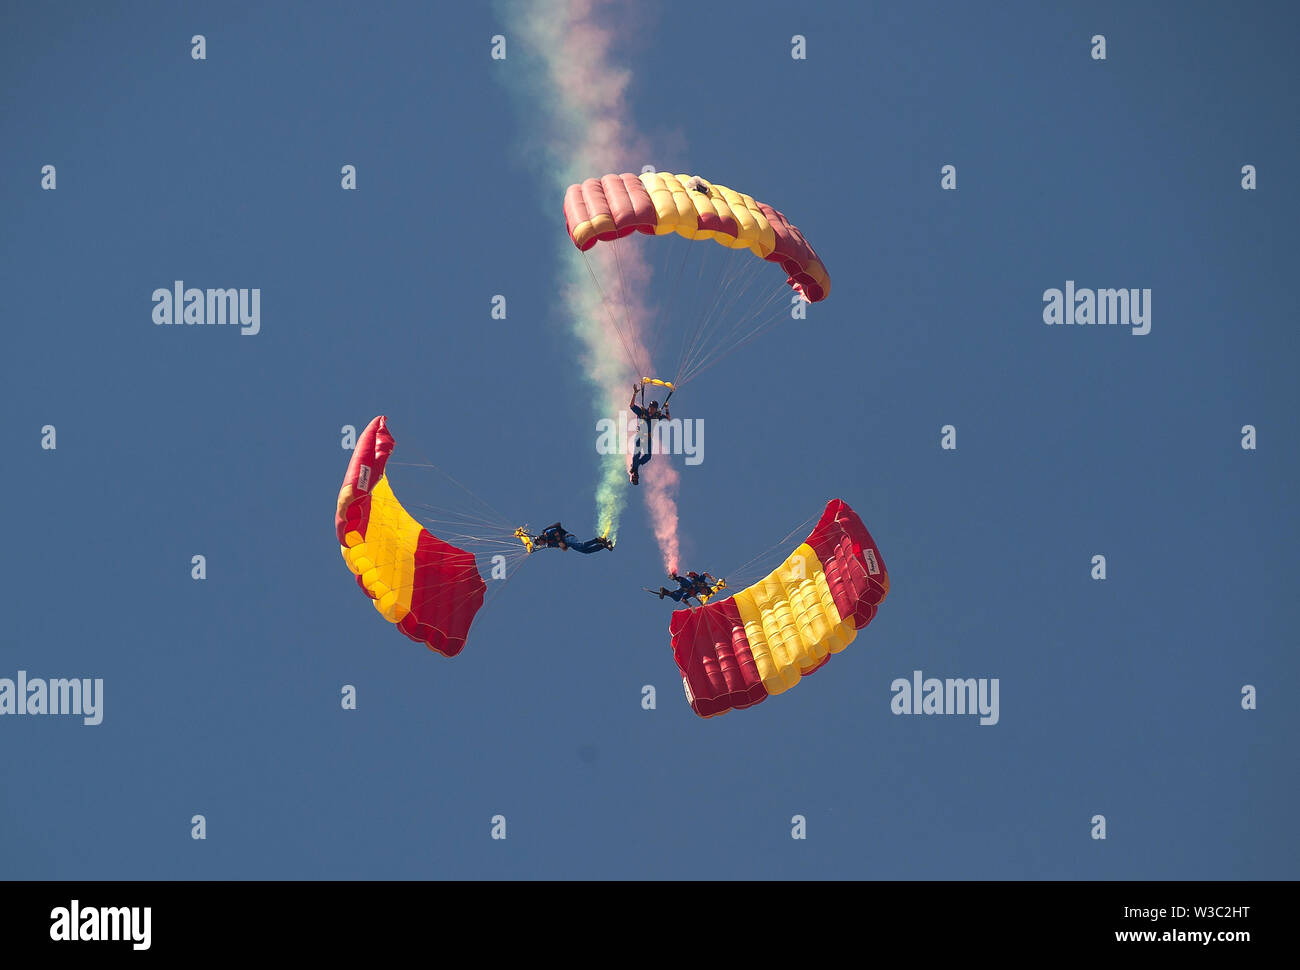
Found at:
[556, 537]
[693, 584]
[685, 591]
[703, 584]
[649, 415]
[591, 545]
[551, 537]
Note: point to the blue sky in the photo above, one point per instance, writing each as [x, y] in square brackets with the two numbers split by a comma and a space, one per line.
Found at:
[221, 697]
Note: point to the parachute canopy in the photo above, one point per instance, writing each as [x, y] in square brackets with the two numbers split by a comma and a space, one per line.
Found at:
[657, 203]
[733, 653]
[428, 587]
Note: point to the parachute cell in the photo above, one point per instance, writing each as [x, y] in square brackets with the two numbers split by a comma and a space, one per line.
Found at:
[657, 203]
[429, 588]
[733, 653]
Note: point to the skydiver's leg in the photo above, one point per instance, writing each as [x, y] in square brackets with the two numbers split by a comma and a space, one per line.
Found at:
[637, 462]
[588, 547]
[636, 447]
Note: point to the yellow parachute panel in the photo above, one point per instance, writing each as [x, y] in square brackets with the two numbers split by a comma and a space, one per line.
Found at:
[791, 621]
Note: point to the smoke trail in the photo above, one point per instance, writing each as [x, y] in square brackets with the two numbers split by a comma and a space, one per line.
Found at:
[560, 65]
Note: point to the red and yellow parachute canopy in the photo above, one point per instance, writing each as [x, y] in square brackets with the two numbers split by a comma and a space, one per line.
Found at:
[733, 653]
[656, 203]
[428, 587]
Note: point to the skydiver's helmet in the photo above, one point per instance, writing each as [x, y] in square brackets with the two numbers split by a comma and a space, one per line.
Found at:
[654, 404]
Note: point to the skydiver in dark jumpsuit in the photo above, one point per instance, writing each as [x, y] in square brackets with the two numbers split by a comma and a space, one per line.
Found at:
[555, 537]
[649, 415]
[693, 584]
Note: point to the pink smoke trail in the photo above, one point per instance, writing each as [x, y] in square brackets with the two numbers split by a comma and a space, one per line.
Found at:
[578, 97]
[624, 322]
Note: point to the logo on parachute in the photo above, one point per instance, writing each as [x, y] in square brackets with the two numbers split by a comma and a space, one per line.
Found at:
[363, 479]
[873, 567]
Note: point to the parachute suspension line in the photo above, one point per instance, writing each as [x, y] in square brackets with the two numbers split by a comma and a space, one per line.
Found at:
[466, 529]
[458, 532]
[739, 274]
[496, 585]
[619, 331]
[649, 445]
[622, 287]
[696, 343]
[726, 350]
[670, 307]
[464, 520]
[462, 516]
[726, 340]
[613, 320]
[634, 334]
[733, 289]
[501, 519]
[734, 266]
[446, 530]
[462, 529]
[742, 573]
[755, 282]
[714, 330]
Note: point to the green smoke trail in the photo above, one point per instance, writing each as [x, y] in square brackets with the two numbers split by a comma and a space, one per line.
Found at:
[571, 97]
